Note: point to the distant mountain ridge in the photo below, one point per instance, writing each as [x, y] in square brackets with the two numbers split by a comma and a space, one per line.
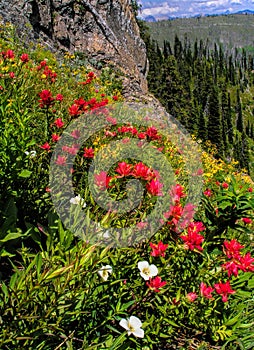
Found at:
[151, 18]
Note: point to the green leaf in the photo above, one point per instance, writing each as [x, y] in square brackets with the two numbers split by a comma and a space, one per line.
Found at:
[11, 236]
[233, 320]
[25, 173]
[127, 305]
[172, 323]
[38, 262]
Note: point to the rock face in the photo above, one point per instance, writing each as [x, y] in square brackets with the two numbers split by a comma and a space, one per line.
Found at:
[104, 30]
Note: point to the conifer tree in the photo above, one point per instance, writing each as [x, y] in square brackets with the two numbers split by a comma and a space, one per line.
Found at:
[224, 117]
[239, 114]
[230, 128]
[244, 156]
[214, 120]
[178, 48]
[167, 51]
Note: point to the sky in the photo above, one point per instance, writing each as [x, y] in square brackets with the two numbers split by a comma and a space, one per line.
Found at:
[161, 9]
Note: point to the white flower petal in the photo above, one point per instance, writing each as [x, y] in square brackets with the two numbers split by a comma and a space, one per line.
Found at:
[153, 271]
[142, 265]
[104, 272]
[78, 201]
[108, 268]
[124, 323]
[135, 322]
[139, 333]
[146, 277]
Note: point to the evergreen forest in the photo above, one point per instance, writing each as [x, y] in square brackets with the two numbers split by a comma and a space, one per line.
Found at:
[209, 90]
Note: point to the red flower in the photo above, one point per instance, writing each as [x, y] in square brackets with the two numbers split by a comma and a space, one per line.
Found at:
[206, 291]
[224, 185]
[174, 214]
[208, 192]
[158, 249]
[192, 296]
[224, 289]
[49, 73]
[74, 110]
[59, 123]
[24, 57]
[193, 240]
[112, 120]
[47, 99]
[8, 54]
[232, 267]
[55, 137]
[196, 226]
[142, 135]
[80, 102]
[59, 97]
[154, 187]
[91, 75]
[141, 170]
[71, 150]
[75, 134]
[124, 169]
[247, 220]
[232, 248]
[250, 189]
[125, 129]
[45, 146]
[177, 192]
[115, 98]
[152, 133]
[61, 160]
[89, 153]
[11, 75]
[246, 263]
[155, 283]
[102, 180]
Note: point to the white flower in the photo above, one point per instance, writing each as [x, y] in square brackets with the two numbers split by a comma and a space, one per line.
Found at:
[78, 201]
[147, 271]
[106, 234]
[31, 154]
[133, 326]
[105, 271]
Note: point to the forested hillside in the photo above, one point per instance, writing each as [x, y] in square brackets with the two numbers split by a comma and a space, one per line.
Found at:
[210, 91]
[229, 30]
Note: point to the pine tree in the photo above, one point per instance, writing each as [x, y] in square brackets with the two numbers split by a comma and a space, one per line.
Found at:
[230, 128]
[167, 49]
[224, 117]
[244, 156]
[214, 120]
[239, 114]
[178, 48]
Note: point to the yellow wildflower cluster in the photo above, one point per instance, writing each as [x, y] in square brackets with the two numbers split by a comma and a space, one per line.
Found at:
[69, 56]
[213, 166]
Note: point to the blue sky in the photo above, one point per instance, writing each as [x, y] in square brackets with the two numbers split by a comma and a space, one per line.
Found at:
[186, 8]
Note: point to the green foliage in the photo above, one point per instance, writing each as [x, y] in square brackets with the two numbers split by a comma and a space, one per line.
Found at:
[208, 91]
[233, 30]
[58, 291]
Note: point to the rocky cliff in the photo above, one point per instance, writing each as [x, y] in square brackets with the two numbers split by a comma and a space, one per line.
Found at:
[104, 30]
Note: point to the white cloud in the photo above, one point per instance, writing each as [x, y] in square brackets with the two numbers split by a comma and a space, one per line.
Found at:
[238, 2]
[163, 9]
